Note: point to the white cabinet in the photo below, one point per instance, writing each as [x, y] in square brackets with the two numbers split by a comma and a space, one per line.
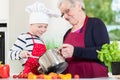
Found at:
[4, 5]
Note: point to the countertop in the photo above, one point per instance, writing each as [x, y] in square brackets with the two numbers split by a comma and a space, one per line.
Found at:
[112, 77]
[102, 78]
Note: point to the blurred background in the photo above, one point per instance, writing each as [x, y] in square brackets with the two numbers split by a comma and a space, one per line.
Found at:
[109, 12]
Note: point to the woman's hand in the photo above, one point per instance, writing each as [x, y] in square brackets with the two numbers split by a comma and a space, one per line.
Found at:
[67, 50]
[25, 54]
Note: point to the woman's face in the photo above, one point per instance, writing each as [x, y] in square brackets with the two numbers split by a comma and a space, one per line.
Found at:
[70, 13]
[38, 29]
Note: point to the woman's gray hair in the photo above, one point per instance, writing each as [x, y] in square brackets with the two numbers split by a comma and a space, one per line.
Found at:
[72, 2]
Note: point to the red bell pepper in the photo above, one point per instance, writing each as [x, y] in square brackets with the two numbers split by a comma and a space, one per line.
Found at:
[1, 70]
[4, 71]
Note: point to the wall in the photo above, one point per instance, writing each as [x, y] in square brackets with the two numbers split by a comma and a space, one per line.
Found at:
[18, 23]
[3, 11]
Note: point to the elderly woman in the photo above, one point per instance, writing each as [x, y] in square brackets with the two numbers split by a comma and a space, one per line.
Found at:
[82, 40]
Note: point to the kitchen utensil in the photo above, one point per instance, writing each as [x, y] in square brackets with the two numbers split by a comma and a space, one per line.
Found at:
[52, 61]
[34, 57]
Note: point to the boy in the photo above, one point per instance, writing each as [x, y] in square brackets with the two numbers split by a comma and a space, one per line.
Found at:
[29, 46]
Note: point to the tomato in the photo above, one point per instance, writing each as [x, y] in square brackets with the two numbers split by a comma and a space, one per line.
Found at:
[41, 76]
[4, 70]
[15, 76]
[76, 76]
[25, 75]
[21, 75]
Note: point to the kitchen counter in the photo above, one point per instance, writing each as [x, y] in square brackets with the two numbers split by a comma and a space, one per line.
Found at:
[102, 78]
[112, 77]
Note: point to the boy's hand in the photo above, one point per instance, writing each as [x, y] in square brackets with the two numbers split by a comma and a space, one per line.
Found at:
[25, 54]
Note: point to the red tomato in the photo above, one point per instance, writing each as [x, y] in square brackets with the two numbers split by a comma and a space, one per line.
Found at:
[4, 71]
[41, 76]
[15, 76]
[76, 76]
[25, 76]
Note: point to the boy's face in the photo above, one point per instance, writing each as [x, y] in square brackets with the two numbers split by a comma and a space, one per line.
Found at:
[38, 29]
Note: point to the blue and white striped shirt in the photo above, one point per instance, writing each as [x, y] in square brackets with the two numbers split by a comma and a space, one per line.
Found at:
[23, 42]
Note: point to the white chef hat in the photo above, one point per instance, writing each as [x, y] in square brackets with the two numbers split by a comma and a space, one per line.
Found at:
[39, 13]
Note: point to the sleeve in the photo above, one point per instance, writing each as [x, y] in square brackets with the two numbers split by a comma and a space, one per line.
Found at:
[100, 37]
[17, 47]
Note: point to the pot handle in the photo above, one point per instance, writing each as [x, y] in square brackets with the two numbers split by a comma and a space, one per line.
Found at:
[40, 69]
[58, 50]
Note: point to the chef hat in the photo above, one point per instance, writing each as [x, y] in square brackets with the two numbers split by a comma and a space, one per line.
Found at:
[39, 13]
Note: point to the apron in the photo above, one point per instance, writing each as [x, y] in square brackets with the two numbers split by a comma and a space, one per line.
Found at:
[32, 64]
[83, 67]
